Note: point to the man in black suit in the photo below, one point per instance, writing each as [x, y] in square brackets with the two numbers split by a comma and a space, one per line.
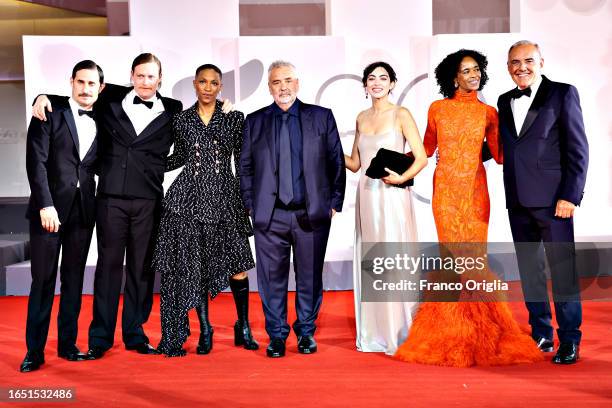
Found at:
[134, 138]
[61, 211]
[546, 156]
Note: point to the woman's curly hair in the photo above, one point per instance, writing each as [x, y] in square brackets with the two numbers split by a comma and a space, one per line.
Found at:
[446, 71]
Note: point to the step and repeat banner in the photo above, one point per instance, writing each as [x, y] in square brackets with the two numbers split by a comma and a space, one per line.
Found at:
[329, 69]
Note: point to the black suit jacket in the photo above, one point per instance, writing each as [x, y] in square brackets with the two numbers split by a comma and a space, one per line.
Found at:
[547, 159]
[131, 165]
[54, 166]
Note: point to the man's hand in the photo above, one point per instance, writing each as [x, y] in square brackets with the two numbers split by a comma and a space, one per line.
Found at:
[49, 219]
[227, 106]
[40, 104]
[333, 212]
[565, 209]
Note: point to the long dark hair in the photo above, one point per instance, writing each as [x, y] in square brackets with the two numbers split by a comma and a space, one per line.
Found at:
[370, 68]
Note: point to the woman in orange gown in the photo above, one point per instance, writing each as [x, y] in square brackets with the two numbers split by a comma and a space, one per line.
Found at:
[466, 333]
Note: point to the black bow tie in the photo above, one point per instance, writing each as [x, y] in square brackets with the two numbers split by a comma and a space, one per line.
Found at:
[148, 104]
[517, 93]
[86, 112]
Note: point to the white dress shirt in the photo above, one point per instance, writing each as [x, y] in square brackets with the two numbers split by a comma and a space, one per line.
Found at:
[86, 129]
[520, 106]
[139, 114]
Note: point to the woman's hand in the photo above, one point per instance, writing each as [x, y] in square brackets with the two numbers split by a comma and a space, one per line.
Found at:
[393, 178]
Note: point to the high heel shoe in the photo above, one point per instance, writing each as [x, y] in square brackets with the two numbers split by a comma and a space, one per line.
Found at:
[205, 344]
[242, 330]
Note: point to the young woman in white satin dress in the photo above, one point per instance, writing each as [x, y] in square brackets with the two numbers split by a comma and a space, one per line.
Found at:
[383, 212]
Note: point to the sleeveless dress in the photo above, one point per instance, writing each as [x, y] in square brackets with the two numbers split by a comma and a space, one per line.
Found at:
[383, 213]
[467, 333]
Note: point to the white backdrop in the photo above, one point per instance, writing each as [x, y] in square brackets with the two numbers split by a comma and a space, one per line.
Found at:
[577, 46]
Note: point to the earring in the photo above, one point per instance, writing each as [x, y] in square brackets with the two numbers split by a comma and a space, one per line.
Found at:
[366, 94]
[456, 84]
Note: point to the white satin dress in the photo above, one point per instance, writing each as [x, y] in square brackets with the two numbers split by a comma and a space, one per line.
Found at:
[383, 213]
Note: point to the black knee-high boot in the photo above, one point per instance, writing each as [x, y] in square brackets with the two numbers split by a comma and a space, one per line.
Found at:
[242, 330]
[206, 331]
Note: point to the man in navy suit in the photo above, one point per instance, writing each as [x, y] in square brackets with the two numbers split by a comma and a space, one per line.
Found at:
[292, 183]
[545, 166]
[59, 155]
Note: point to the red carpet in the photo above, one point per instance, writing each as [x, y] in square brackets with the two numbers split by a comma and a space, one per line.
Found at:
[335, 376]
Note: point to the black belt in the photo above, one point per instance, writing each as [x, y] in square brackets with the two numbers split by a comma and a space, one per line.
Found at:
[289, 207]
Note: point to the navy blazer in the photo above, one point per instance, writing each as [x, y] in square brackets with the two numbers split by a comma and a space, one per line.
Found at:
[324, 174]
[54, 165]
[547, 159]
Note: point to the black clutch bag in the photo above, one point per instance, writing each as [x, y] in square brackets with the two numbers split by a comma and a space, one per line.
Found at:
[396, 161]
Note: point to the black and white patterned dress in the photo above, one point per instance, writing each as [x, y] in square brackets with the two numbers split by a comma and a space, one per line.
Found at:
[204, 229]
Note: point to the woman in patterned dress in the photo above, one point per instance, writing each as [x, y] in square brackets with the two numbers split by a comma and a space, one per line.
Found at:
[202, 245]
[464, 333]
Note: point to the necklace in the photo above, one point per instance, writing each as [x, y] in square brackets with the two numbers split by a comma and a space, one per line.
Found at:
[205, 116]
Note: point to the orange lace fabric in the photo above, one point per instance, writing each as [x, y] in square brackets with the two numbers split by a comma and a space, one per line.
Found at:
[457, 127]
[467, 333]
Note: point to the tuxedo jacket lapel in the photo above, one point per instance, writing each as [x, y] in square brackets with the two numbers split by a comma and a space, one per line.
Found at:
[67, 114]
[91, 153]
[536, 105]
[505, 110]
[157, 123]
[123, 119]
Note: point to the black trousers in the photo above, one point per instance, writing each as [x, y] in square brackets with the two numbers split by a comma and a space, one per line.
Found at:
[125, 228]
[73, 238]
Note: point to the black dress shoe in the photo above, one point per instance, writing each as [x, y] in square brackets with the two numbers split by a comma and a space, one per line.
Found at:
[545, 345]
[568, 353]
[276, 348]
[32, 361]
[143, 348]
[307, 345]
[72, 353]
[95, 353]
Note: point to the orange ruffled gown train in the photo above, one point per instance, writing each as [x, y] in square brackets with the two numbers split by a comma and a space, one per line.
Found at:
[463, 334]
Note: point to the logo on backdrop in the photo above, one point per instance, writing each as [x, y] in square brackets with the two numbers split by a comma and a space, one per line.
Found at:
[251, 75]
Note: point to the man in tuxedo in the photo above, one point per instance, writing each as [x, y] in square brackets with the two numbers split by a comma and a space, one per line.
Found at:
[134, 138]
[292, 183]
[545, 167]
[59, 155]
